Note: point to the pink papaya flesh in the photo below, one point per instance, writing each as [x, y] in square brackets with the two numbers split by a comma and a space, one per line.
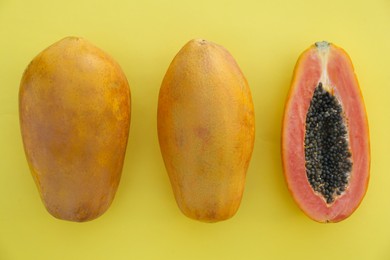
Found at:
[325, 137]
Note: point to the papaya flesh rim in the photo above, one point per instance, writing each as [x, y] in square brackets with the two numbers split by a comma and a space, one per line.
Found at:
[331, 65]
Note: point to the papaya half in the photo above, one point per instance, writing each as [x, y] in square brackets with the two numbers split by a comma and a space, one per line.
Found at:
[74, 108]
[325, 137]
[206, 130]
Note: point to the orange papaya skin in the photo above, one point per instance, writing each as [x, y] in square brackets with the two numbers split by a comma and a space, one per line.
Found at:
[206, 130]
[74, 107]
[327, 63]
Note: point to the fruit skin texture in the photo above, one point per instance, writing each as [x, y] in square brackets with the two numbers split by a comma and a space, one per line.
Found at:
[206, 130]
[74, 107]
[332, 66]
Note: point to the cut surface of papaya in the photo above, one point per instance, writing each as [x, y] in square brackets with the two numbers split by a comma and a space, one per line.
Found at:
[325, 137]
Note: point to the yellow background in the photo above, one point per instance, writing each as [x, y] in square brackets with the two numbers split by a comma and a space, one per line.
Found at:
[266, 38]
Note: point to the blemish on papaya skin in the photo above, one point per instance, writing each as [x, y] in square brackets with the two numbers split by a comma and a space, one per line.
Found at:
[203, 133]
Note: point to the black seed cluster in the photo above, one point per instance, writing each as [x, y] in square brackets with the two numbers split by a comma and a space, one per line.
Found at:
[327, 155]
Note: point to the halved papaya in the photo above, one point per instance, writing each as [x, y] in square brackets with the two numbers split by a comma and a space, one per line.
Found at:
[325, 139]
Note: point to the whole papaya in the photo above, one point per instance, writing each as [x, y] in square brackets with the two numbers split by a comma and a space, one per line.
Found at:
[74, 107]
[206, 130]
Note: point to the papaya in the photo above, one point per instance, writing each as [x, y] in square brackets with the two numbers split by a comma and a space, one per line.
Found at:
[206, 130]
[74, 110]
[325, 136]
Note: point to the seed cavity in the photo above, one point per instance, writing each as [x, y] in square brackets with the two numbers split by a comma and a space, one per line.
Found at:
[327, 154]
